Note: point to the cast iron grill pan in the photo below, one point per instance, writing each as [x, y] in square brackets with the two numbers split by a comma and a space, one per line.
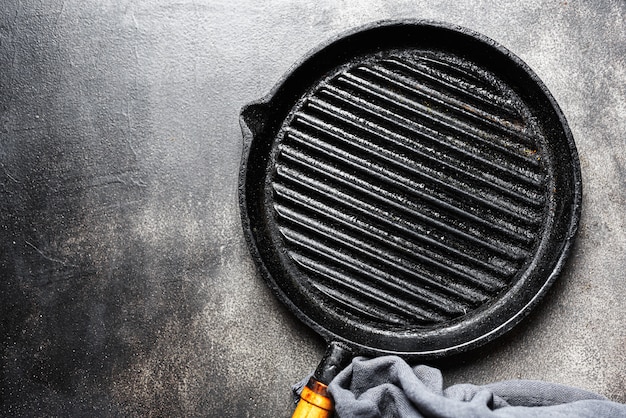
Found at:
[411, 188]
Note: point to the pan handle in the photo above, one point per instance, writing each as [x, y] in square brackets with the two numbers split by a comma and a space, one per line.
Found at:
[315, 402]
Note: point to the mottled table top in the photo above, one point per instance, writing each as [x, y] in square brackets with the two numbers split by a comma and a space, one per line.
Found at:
[126, 286]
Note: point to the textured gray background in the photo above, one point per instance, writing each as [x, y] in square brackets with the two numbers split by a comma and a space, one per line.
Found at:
[126, 286]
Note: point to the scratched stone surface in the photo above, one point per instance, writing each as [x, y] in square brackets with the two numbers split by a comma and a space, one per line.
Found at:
[125, 284]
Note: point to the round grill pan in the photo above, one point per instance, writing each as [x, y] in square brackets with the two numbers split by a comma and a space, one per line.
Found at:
[410, 188]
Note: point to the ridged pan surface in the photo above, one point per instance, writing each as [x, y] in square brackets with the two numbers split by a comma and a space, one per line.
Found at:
[411, 188]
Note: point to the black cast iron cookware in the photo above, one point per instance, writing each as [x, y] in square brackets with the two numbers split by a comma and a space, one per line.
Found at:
[409, 188]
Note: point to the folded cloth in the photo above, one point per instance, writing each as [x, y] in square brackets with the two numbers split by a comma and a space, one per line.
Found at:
[389, 387]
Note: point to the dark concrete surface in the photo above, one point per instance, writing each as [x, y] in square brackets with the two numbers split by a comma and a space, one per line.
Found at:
[126, 287]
